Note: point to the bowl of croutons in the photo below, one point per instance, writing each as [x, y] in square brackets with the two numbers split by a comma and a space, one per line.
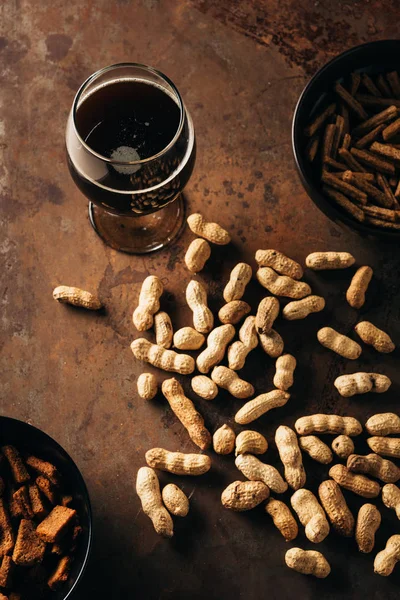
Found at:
[45, 516]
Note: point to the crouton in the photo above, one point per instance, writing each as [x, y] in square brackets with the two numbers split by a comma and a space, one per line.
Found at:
[66, 500]
[21, 497]
[61, 573]
[29, 548]
[6, 570]
[44, 468]
[18, 468]
[6, 535]
[56, 524]
[47, 489]
[37, 505]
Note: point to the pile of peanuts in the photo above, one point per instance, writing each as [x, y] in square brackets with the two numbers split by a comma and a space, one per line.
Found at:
[281, 276]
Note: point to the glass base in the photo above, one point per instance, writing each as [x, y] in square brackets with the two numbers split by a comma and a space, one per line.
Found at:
[139, 235]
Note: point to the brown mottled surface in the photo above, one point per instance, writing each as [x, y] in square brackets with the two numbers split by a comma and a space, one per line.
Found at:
[240, 66]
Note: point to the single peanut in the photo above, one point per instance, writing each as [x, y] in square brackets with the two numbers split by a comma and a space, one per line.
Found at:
[217, 342]
[359, 484]
[255, 470]
[239, 278]
[386, 560]
[196, 297]
[272, 343]
[383, 424]
[224, 440]
[385, 446]
[163, 329]
[229, 380]
[391, 497]
[361, 383]
[186, 412]
[308, 562]
[355, 295]
[341, 344]
[175, 500]
[335, 506]
[204, 387]
[148, 490]
[283, 519]
[285, 366]
[77, 297]
[147, 386]
[290, 455]
[300, 309]
[250, 442]
[188, 338]
[212, 232]
[178, 463]
[316, 449]
[234, 311]
[248, 340]
[330, 424]
[368, 522]
[311, 515]
[244, 495]
[343, 446]
[253, 409]
[159, 357]
[374, 465]
[279, 262]
[149, 303]
[267, 312]
[320, 261]
[197, 255]
[375, 337]
[281, 285]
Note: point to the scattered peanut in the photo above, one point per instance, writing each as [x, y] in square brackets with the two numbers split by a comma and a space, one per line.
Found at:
[320, 261]
[383, 424]
[330, 424]
[368, 522]
[224, 440]
[267, 312]
[234, 311]
[386, 560]
[175, 500]
[285, 366]
[359, 484]
[272, 343]
[77, 297]
[188, 338]
[147, 386]
[212, 232]
[336, 508]
[374, 465]
[217, 342]
[196, 297]
[149, 303]
[375, 337]
[316, 449]
[361, 383]
[282, 285]
[148, 490]
[283, 519]
[204, 387]
[186, 412]
[385, 446]
[239, 278]
[244, 495]
[290, 455]
[248, 340]
[343, 446]
[311, 515]
[253, 409]
[197, 255]
[308, 562]
[178, 463]
[391, 497]
[163, 329]
[341, 344]
[279, 262]
[229, 380]
[358, 287]
[250, 442]
[300, 309]
[159, 357]
[255, 470]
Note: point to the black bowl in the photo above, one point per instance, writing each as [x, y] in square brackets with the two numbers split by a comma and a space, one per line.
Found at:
[30, 439]
[373, 58]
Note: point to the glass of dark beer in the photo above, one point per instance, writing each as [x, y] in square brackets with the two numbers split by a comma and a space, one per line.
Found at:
[131, 151]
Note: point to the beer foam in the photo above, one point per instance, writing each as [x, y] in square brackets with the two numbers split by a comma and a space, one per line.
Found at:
[125, 154]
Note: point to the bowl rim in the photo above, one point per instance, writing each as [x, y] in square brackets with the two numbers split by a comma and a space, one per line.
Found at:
[329, 209]
[85, 493]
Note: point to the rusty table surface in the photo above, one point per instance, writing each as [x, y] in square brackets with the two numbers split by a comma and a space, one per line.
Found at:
[240, 67]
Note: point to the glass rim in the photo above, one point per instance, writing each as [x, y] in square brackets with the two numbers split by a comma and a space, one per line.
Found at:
[142, 161]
